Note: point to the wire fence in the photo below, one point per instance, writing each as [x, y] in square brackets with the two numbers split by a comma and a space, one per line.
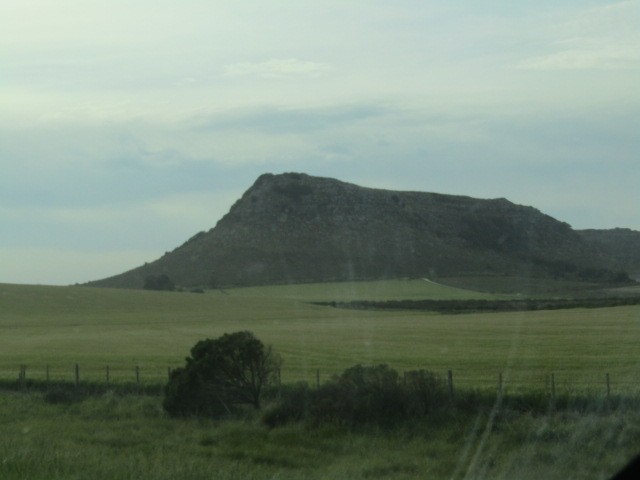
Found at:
[556, 383]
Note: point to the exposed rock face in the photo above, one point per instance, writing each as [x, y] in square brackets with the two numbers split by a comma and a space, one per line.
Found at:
[621, 244]
[297, 228]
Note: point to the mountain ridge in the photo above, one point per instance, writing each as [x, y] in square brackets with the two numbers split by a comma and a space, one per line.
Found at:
[294, 228]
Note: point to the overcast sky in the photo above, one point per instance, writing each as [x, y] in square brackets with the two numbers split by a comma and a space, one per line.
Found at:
[128, 126]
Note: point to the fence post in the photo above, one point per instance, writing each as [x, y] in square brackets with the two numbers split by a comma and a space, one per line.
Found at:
[278, 382]
[77, 375]
[450, 384]
[22, 376]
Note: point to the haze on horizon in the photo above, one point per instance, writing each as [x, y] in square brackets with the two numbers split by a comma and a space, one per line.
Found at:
[126, 127]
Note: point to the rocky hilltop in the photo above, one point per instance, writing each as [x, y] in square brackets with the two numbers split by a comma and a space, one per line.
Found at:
[297, 228]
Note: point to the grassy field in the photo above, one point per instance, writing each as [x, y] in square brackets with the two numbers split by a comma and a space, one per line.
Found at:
[62, 326]
[112, 436]
[414, 289]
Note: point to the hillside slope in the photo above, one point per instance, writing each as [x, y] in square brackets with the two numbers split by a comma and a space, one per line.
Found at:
[621, 244]
[293, 228]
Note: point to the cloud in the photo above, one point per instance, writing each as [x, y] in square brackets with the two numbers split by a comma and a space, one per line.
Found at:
[277, 68]
[588, 55]
[604, 37]
[285, 120]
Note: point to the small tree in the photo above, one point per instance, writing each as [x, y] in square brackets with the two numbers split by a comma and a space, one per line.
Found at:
[220, 374]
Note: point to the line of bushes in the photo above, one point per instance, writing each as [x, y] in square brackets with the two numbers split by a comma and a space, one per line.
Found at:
[75, 392]
[360, 395]
[471, 306]
[376, 395]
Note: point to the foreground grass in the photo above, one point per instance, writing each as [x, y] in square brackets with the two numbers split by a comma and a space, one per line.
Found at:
[112, 436]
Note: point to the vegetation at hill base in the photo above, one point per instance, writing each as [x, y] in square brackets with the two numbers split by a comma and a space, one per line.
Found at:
[158, 282]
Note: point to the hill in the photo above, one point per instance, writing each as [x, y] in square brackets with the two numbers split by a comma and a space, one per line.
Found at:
[294, 228]
[621, 244]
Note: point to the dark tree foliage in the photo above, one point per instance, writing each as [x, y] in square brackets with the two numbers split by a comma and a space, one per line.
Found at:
[566, 270]
[221, 374]
[361, 395]
[158, 282]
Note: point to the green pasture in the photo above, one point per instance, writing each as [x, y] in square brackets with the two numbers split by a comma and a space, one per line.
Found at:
[523, 285]
[64, 326]
[409, 289]
[109, 435]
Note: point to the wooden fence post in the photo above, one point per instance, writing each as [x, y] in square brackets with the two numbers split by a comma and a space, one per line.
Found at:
[22, 376]
[450, 384]
[279, 382]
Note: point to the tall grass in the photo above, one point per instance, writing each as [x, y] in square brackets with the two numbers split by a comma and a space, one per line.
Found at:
[128, 436]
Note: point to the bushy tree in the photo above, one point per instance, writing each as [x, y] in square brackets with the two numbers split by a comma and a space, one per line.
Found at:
[220, 374]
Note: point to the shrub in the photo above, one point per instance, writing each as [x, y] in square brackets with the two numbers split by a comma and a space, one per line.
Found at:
[187, 394]
[361, 395]
[58, 396]
[425, 392]
[293, 406]
[221, 374]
